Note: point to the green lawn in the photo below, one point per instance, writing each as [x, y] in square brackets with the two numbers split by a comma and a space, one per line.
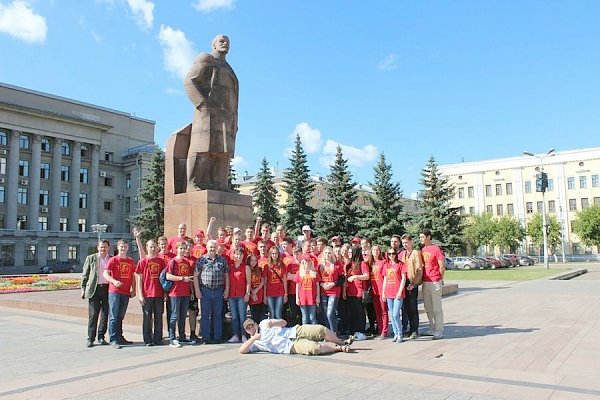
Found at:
[508, 274]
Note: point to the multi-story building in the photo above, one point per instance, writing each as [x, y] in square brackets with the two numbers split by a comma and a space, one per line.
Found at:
[507, 186]
[65, 166]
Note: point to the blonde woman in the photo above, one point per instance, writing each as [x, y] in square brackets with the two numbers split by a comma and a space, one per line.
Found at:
[307, 291]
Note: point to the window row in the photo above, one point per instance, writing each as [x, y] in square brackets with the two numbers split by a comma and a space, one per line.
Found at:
[583, 182]
[66, 147]
[499, 209]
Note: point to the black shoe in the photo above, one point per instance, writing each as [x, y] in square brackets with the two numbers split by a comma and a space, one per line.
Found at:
[149, 344]
[183, 340]
[102, 342]
[159, 343]
[89, 343]
[125, 341]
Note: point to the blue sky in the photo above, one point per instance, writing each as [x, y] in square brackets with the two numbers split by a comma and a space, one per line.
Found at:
[459, 80]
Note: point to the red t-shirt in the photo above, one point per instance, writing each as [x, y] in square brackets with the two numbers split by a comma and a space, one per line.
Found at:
[149, 268]
[269, 243]
[275, 277]
[355, 288]
[307, 289]
[331, 273]
[393, 273]
[198, 250]
[166, 257]
[180, 267]
[237, 280]
[172, 244]
[121, 269]
[292, 268]
[431, 255]
[250, 247]
[255, 278]
[263, 262]
[376, 277]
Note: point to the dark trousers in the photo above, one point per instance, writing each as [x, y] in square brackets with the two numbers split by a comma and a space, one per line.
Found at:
[410, 311]
[370, 311]
[153, 311]
[98, 306]
[258, 312]
[356, 315]
[292, 313]
[211, 319]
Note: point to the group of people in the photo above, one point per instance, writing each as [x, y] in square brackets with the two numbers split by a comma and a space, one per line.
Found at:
[306, 290]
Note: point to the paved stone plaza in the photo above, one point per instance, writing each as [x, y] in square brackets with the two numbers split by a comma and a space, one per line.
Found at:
[503, 340]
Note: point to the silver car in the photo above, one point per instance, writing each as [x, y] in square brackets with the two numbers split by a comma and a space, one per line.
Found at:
[463, 262]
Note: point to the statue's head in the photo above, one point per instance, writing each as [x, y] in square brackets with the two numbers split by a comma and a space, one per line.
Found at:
[220, 44]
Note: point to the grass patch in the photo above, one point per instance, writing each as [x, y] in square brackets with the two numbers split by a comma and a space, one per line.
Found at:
[508, 274]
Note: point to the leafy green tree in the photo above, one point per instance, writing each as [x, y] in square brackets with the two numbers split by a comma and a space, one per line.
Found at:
[534, 230]
[437, 214]
[587, 226]
[150, 219]
[509, 233]
[264, 195]
[299, 188]
[384, 217]
[479, 230]
[339, 213]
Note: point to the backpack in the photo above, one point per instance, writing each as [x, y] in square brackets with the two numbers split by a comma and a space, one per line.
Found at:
[166, 284]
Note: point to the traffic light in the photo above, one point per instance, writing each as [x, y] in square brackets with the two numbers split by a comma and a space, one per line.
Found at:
[541, 182]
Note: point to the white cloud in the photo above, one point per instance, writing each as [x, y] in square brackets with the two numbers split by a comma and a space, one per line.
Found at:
[143, 12]
[388, 63]
[178, 52]
[357, 157]
[173, 91]
[19, 20]
[310, 137]
[239, 162]
[207, 6]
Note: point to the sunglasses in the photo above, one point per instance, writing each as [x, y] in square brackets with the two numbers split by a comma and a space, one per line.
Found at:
[391, 254]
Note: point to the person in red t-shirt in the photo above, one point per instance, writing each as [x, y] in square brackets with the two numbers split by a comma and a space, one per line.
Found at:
[433, 282]
[181, 236]
[291, 260]
[257, 285]
[394, 281]
[276, 284]
[249, 243]
[332, 280]
[151, 294]
[180, 271]
[356, 272]
[379, 301]
[307, 291]
[119, 274]
[240, 282]
[199, 247]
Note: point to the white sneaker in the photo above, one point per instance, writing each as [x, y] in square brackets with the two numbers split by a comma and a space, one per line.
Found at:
[234, 339]
[359, 336]
[175, 343]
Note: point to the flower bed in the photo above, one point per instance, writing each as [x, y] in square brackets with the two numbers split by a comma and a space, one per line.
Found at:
[35, 283]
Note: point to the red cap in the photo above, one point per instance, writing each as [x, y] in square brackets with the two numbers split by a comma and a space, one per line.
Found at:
[199, 232]
[356, 239]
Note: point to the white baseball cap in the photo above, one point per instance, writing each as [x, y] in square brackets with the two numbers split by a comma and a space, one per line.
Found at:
[306, 228]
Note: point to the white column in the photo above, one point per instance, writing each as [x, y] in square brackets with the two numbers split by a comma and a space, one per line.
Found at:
[75, 187]
[94, 182]
[54, 216]
[34, 182]
[13, 181]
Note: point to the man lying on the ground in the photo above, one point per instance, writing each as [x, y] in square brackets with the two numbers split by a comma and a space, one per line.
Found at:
[272, 336]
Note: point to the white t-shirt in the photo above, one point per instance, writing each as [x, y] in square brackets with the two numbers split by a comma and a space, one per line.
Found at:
[275, 339]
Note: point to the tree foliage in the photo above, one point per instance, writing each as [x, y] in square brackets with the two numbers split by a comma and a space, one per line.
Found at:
[299, 188]
[339, 213]
[264, 195]
[587, 225]
[385, 217]
[479, 230]
[534, 230]
[150, 219]
[509, 234]
[437, 214]
[232, 179]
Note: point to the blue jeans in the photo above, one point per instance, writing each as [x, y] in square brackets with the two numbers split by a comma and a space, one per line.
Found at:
[237, 306]
[117, 306]
[275, 305]
[328, 310]
[395, 311]
[309, 314]
[179, 309]
[211, 320]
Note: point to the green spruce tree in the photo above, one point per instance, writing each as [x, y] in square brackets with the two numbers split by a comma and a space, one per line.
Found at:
[385, 216]
[232, 179]
[264, 195]
[299, 189]
[150, 219]
[339, 213]
[437, 214]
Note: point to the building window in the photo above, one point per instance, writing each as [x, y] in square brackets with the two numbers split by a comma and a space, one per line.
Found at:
[22, 222]
[527, 186]
[109, 156]
[127, 204]
[462, 210]
[583, 182]
[540, 206]
[22, 195]
[84, 175]
[499, 209]
[81, 224]
[3, 138]
[108, 181]
[596, 200]
[488, 190]
[65, 148]
[83, 201]
[510, 209]
[2, 194]
[471, 192]
[509, 188]
[46, 145]
[128, 183]
[24, 142]
[73, 252]
[64, 199]
[65, 173]
[585, 203]
[498, 189]
[489, 210]
[7, 252]
[575, 245]
[461, 190]
[570, 183]
[23, 168]
[85, 151]
[529, 207]
[52, 252]
[551, 206]
[471, 210]
[45, 171]
[2, 221]
[42, 223]
[550, 187]
[108, 206]
[44, 197]
[31, 253]
[63, 224]
[3, 166]
[572, 204]
[595, 181]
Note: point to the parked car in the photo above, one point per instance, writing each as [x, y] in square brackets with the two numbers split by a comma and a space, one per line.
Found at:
[450, 263]
[59, 266]
[526, 260]
[482, 262]
[512, 258]
[464, 262]
[495, 262]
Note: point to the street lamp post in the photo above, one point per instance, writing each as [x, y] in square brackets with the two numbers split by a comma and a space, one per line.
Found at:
[550, 153]
[99, 229]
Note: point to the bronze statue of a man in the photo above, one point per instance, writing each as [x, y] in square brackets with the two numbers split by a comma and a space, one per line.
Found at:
[213, 88]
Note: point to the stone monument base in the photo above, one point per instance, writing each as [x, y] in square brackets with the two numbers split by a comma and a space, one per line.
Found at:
[196, 208]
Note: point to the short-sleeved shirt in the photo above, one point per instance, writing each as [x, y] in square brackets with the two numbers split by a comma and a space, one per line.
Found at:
[274, 340]
[251, 247]
[376, 277]
[292, 268]
[355, 288]
[275, 276]
[237, 281]
[212, 271]
[180, 267]
[121, 269]
[331, 273]
[172, 243]
[256, 276]
[393, 273]
[307, 289]
[198, 250]
[431, 255]
[149, 268]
